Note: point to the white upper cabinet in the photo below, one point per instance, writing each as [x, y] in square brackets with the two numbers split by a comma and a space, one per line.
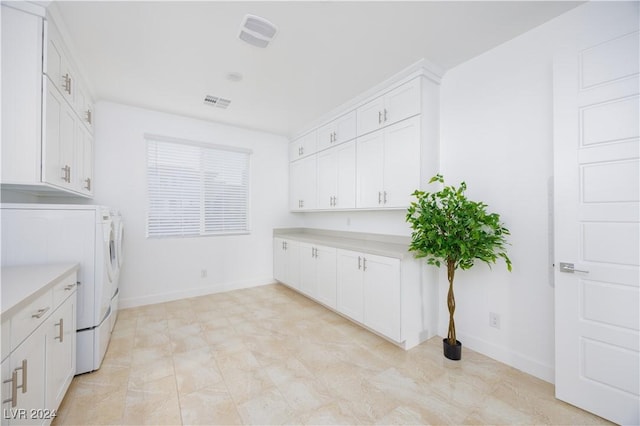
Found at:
[302, 180]
[47, 113]
[21, 95]
[392, 107]
[388, 166]
[375, 155]
[303, 146]
[337, 177]
[338, 131]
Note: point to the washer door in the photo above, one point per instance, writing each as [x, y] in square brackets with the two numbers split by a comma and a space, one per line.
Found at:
[110, 250]
[119, 252]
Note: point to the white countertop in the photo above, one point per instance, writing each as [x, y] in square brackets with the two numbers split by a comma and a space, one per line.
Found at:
[395, 246]
[24, 283]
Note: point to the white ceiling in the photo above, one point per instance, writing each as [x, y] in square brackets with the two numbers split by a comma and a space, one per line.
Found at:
[167, 56]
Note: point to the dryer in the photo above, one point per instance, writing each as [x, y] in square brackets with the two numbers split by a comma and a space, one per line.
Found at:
[44, 233]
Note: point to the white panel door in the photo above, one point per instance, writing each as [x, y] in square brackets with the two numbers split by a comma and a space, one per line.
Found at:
[597, 152]
[350, 284]
[292, 249]
[369, 169]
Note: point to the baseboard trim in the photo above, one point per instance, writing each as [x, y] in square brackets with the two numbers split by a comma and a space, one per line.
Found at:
[194, 292]
[509, 357]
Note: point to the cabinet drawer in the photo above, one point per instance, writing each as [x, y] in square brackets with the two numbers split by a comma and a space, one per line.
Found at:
[64, 289]
[30, 317]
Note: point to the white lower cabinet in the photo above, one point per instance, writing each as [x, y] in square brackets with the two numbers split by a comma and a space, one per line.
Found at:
[41, 362]
[23, 381]
[318, 273]
[350, 284]
[390, 296]
[61, 352]
[369, 291]
[286, 262]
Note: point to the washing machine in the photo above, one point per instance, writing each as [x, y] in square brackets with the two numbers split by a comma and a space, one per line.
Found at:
[48, 233]
[118, 226]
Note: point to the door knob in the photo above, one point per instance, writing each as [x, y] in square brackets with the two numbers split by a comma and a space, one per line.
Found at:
[569, 268]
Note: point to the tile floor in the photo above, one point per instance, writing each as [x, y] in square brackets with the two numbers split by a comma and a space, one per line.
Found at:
[270, 356]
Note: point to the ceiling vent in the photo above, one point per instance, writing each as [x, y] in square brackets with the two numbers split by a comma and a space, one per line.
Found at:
[257, 31]
[216, 101]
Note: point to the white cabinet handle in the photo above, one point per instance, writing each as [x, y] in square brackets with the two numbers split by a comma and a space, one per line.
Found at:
[61, 335]
[385, 115]
[364, 263]
[379, 197]
[359, 262]
[14, 389]
[40, 312]
[89, 118]
[385, 197]
[379, 117]
[88, 184]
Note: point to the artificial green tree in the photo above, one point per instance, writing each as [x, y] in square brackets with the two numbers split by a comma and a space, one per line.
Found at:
[451, 229]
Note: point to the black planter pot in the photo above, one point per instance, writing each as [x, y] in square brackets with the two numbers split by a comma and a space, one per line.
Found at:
[452, 352]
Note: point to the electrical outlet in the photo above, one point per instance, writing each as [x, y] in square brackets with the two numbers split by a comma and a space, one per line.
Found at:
[494, 320]
[203, 273]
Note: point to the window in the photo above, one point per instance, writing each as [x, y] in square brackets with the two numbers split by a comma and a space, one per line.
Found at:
[196, 188]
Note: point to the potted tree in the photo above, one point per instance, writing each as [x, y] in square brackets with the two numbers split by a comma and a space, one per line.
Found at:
[447, 228]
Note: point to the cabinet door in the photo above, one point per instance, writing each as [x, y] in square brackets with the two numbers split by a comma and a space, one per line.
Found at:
[326, 276]
[61, 351]
[279, 260]
[349, 299]
[382, 295]
[302, 147]
[402, 102]
[55, 64]
[303, 184]
[27, 367]
[307, 269]
[21, 75]
[401, 162]
[328, 169]
[345, 128]
[326, 136]
[338, 131]
[292, 249]
[370, 116]
[369, 169]
[346, 176]
[84, 151]
[59, 143]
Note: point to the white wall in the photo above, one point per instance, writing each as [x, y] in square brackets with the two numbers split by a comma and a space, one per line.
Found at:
[164, 269]
[497, 135]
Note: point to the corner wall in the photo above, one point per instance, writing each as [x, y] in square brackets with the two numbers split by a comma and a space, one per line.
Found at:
[497, 135]
[157, 270]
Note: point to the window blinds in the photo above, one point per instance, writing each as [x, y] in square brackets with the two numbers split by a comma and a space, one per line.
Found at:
[196, 189]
